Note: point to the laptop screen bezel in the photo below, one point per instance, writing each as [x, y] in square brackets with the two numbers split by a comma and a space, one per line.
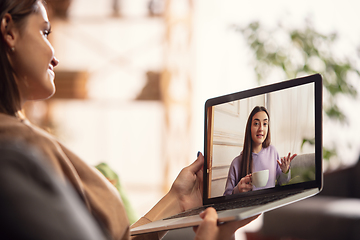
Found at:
[317, 183]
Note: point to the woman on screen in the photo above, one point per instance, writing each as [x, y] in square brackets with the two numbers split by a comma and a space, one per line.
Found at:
[257, 155]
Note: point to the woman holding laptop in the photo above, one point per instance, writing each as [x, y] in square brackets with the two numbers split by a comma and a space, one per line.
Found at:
[27, 62]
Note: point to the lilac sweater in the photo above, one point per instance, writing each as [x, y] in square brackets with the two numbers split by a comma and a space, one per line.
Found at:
[265, 159]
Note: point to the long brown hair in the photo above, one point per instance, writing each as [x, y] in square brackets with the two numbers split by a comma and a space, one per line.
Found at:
[246, 163]
[9, 92]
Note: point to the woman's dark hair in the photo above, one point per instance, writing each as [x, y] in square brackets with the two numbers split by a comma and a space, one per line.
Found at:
[246, 163]
[9, 92]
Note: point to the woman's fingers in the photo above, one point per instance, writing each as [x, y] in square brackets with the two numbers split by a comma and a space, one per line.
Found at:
[285, 162]
[197, 164]
[208, 228]
[244, 180]
[245, 187]
[245, 184]
[292, 157]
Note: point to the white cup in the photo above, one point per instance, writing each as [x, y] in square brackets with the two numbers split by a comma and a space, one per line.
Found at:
[260, 178]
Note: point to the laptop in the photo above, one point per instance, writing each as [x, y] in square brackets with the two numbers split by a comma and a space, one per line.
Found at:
[295, 121]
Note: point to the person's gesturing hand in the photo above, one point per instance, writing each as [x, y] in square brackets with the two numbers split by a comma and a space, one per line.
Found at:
[285, 162]
[245, 184]
[188, 186]
[210, 229]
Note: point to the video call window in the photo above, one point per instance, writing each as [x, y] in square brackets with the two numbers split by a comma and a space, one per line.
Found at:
[290, 123]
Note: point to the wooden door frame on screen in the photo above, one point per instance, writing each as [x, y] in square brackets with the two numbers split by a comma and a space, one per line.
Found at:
[209, 154]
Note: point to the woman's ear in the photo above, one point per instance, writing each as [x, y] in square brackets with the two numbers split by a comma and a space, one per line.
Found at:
[8, 30]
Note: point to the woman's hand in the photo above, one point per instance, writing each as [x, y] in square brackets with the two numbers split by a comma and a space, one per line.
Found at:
[209, 229]
[285, 162]
[185, 193]
[188, 186]
[245, 184]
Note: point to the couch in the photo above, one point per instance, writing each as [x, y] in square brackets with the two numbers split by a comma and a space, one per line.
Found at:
[332, 214]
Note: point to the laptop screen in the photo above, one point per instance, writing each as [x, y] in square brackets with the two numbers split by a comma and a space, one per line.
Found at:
[251, 136]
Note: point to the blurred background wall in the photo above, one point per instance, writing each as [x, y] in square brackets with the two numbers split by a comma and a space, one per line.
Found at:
[134, 75]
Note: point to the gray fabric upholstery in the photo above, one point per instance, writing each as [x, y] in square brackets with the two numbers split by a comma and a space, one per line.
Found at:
[35, 204]
[331, 215]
